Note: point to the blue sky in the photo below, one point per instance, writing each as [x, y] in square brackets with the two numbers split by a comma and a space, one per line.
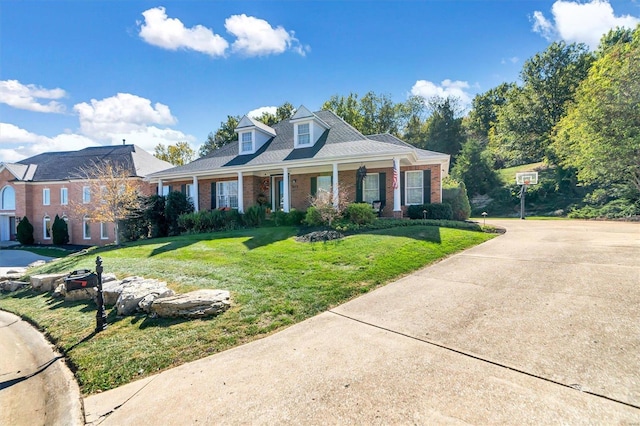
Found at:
[81, 73]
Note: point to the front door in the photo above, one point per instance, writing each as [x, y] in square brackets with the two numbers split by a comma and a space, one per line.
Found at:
[277, 198]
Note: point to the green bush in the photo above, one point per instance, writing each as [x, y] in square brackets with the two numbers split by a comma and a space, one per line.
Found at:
[455, 194]
[254, 215]
[25, 232]
[360, 213]
[155, 216]
[295, 217]
[313, 217]
[434, 211]
[210, 221]
[177, 204]
[616, 209]
[59, 231]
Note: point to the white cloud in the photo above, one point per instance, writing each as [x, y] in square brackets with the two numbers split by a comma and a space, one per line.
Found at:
[170, 33]
[447, 88]
[256, 37]
[581, 22]
[256, 113]
[18, 95]
[122, 113]
[17, 143]
[150, 136]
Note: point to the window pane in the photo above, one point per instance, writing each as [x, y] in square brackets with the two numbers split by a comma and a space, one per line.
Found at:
[247, 144]
[414, 187]
[304, 137]
[371, 188]
[47, 227]
[63, 196]
[324, 183]
[46, 198]
[86, 194]
[228, 194]
[86, 229]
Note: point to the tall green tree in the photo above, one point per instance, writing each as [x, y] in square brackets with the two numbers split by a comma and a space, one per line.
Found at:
[600, 136]
[474, 167]
[484, 111]
[549, 81]
[444, 131]
[178, 154]
[224, 135]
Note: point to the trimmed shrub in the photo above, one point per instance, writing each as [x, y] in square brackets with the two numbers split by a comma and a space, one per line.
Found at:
[295, 217]
[360, 213]
[177, 204]
[313, 217]
[24, 232]
[455, 194]
[254, 216]
[59, 231]
[210, 221]
[434, 211]
[155, 215]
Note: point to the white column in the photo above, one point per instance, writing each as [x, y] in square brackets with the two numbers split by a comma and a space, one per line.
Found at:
[160, 187]
[285, 190]
[396, 190]
[240, 193]
[336, 186]
[196, 195]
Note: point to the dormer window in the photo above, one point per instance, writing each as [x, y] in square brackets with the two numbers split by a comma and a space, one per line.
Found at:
[247, 141]
[304, 134]
[308, 128]
[252, 135]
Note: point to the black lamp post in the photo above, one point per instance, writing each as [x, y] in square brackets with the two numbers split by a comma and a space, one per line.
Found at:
[101, 315]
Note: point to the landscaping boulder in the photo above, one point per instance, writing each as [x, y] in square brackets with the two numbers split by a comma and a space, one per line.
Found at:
[60, 291]
[136, 289]
[111, 290]
[47, 282]
[9, 286]
[13, 274]
[87, 293]
[196, 304]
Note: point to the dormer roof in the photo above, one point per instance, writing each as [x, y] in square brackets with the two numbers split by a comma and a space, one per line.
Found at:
[303, 114]
[248, 123]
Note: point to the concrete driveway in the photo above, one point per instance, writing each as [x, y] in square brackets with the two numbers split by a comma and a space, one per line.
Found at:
[538, 326]
[18, 260]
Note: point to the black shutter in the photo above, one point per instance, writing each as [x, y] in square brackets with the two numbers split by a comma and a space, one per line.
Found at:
[402, 188]
[183, 189]
[383, 189]
[213, 195]
[358, 189]
[426, 186]
[314, 186]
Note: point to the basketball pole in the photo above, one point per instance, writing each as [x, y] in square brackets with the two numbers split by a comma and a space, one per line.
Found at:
[523, 191]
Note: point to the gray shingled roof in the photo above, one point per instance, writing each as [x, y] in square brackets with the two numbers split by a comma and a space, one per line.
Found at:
[341, 140]
[54, 166]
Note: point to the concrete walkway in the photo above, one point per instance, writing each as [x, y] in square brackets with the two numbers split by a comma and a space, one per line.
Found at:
[36, 387]
[538, 326]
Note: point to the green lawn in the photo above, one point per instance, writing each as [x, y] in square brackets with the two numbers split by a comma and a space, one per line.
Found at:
[274, 281]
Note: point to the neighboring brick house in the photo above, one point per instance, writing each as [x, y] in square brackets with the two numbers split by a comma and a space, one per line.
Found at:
[48, 184]
[289, 162]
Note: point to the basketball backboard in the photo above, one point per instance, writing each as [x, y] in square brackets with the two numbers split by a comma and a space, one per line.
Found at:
[527, 178]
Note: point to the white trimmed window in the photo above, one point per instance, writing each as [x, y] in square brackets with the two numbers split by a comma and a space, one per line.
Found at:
[86, 228]
[304, 134]
[371, 188]
[104, 234]
[165, 190]
[86, 194]
[189, 191]
[46, 197]
[324, 183]
[46, 228]
[227, 194]
[414, 187]
[247, 141]
[64, 196]
[8, 198]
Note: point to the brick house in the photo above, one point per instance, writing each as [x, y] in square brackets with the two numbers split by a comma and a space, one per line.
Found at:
[286, 164]
[48, 184]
